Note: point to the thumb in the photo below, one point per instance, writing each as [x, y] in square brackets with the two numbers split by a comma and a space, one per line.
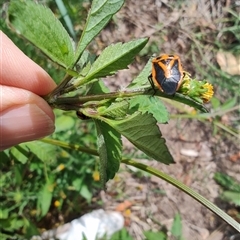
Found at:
[30, 119]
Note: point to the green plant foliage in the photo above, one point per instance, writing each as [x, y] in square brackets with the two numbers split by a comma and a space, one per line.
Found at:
[141, 81]
[123, 234]
[232, 197]
[38, 24]
[19, 153]
[151, 104]
[35, 179]
[4, 213]
[113, 58]
[116, 110]
[64, 123]
[67, 19]
[155, 235]
[227, 182]
[176, 229]
[43, 172]
[150, 142]
[100, 14]
[45, 152]
[231, 188]
[110, 149]
[45, 197]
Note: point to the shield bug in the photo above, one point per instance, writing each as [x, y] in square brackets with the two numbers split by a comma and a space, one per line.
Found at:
[167, 73]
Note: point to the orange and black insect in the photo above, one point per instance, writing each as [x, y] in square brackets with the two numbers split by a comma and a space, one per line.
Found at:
[167, 73]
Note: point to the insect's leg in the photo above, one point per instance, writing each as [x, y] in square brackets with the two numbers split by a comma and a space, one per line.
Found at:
[152, 84]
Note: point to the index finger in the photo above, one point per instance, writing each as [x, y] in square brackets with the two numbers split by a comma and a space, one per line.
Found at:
[17, 70]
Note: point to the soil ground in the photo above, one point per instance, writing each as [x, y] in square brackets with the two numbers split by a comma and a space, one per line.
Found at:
[197, 150]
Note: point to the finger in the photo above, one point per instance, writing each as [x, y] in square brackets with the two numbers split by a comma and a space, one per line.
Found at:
[24, 117]
[18, 70]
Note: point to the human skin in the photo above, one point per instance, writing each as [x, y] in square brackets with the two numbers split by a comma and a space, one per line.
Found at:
[24, 114]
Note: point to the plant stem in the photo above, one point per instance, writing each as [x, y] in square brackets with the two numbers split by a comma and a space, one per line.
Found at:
[113, 95]
[64, 102]
[51, 97]
[69, 146]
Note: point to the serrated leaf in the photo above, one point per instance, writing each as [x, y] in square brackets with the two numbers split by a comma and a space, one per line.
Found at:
[150, 104]
[110, 150]
[45, 197]
[45, 152]
[115, 110]
[100, 14]
[83, 65]
[142, 131]
[141, 81]
[114, 58]
[39, 25]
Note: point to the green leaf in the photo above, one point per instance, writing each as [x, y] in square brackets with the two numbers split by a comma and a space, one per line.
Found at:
[110, 150]
[12, 224]
[45, 197]
[18, 172]
[233, 197]
[45, 152]
[227, 182]
[64, 123]
[115, 110]
[20, 153]
[100, 14]
[39, 25]
[215, 102]
[86, 193]
[150, 104]
[143, 132]
[77, 183]
[98, 87]
[184, 99]
[176, 229]
[67, 19]
[229, 103]
[114, 58]
[84, 63]
[30, 229]
[4, 213]
[122, 234]
[4, 158]
[155, 235]
[141, 81]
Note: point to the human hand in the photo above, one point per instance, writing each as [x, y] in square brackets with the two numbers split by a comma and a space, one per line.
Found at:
[24, 115]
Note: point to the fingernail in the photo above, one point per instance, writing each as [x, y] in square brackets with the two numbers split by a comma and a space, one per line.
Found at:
[24, 123]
